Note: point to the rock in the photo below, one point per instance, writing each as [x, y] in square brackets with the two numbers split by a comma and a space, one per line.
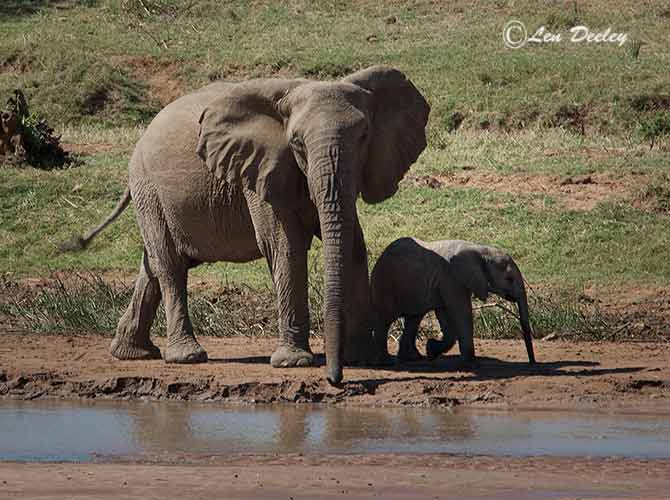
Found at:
[17, 383]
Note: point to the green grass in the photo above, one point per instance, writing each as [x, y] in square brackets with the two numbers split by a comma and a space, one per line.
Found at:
[560, 313]
[609, 244]
[90, 304]
[543, 151]
[551, 110]
[612, 243]
[453, 51]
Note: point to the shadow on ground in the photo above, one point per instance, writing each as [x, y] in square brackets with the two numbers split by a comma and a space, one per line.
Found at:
[489, 369]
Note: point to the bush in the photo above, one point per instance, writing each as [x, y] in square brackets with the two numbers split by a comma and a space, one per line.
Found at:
[655, 127]
[31, 139]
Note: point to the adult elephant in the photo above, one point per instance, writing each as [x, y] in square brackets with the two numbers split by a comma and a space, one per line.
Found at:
[237, 171]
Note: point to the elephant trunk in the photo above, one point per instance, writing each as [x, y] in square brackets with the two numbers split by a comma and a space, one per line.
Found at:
[522, 303]
[333, 191]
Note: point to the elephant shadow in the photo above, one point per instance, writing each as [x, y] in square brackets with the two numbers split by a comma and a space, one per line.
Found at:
[319, 360]
[452, 366]
[496, 369]
[247, 360]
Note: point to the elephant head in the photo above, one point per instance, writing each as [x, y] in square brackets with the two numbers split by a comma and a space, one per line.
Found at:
[484, 270]
[292, 141]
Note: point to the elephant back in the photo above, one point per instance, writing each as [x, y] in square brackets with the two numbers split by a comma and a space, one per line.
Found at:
[174, 130]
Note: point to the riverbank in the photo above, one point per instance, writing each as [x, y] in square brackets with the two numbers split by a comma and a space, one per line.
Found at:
[583, 375]
[384, 476]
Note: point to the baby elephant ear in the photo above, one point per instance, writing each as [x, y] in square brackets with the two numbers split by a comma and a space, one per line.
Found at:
[398, 134]
[469, 268]
[242, 141]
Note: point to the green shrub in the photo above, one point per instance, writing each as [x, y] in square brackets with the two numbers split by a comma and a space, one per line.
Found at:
[654, 127]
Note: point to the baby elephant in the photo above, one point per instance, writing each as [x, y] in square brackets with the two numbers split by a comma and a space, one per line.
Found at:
[413, 277]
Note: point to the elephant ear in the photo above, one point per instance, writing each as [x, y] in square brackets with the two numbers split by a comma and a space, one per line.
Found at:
[242, 140]
[469, 269]
[398, 134]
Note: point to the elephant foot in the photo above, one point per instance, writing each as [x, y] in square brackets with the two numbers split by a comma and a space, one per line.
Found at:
[407, 351]
[287, 356]
[433, 349]
[126, 351]
[185, 352]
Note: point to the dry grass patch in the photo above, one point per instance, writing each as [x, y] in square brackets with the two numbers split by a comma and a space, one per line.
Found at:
[582, 192]
[161, 76]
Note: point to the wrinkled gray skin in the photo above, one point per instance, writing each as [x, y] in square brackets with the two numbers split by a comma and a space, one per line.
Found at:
[239, 171]
[413, 277]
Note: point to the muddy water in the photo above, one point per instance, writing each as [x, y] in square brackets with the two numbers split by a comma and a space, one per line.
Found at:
[82, 431]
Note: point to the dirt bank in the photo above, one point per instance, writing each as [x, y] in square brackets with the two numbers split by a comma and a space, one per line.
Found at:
[626, 376]
[382, 476]
[582, 192]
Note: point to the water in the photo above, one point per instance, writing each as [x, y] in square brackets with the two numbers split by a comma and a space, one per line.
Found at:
[81, 431]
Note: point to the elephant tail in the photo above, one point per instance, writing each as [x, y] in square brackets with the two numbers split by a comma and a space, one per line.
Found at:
[81, 242]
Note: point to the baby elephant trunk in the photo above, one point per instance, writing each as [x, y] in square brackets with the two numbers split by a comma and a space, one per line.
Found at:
[522, 303]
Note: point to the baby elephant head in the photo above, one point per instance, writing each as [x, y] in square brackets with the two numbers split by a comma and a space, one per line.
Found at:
[485, 270]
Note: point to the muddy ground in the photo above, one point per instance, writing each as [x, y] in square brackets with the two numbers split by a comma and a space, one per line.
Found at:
[354, 477]
[596, 375]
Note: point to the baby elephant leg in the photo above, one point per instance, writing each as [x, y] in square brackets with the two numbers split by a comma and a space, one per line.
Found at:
[436, 347]
[407, 350]
[380, 338]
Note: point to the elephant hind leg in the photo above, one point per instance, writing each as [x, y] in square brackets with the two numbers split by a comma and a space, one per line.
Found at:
[132, 334]
[182, 346]
[407, 350]
[169, 269]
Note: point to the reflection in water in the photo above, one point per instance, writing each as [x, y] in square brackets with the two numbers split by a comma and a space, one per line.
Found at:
[207, 429]
[294, 428]
[371, 428]
[79, 430]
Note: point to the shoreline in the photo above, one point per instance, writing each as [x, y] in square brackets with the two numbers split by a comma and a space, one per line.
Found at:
[597, 376]
[384, 476]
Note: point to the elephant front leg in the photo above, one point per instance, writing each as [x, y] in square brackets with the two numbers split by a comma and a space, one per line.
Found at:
[284, 242]
[436, 347]
[289, 273]
[132, 334]
[466, 343]
[461, 323]
[358, 343]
